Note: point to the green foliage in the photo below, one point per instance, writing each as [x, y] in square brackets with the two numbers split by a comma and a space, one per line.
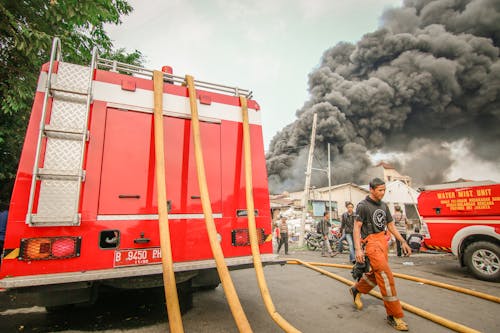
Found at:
[27, 28]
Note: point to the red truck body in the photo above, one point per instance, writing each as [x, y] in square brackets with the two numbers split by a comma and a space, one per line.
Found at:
[113, 238]
[464, 219]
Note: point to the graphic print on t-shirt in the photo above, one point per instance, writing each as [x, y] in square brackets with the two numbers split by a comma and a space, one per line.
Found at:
[379, 218]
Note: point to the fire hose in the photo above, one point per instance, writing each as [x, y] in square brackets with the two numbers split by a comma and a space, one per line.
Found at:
[252, 230]
[227, 284]
[466, 291]
[420, 312]
[171, 297]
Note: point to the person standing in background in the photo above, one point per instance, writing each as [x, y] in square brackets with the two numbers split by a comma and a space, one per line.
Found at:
[401, 225]
[3, 226]
[415, 241]
[325, 231]
[283, 235]
[347, 228]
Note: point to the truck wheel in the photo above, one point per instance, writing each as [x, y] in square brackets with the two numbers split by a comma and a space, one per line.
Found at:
[483, 260]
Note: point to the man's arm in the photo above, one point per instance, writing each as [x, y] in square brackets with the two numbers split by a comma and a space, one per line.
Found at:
[404, 245]
[360, 254]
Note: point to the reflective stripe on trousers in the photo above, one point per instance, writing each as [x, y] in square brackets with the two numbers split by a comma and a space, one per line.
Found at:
[377, 250]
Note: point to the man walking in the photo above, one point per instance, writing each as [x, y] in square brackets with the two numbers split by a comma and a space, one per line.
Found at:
[325, 231]
[372, 221]
[347, 227]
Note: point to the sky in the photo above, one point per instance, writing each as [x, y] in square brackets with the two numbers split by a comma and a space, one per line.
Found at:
[267, 46]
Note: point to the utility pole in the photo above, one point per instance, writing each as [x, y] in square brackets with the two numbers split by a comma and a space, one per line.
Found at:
[329, 186]
[305, 198]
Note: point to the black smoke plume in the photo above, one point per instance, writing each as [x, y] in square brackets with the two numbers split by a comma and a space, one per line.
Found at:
[429, 77]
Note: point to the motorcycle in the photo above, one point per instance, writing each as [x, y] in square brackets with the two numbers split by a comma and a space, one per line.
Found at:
[334, 237]
[315, 240]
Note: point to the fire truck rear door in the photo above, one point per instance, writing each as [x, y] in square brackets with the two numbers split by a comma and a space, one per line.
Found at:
[128, 178]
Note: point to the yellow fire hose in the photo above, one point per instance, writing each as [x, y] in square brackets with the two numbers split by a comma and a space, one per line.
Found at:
[425, 281]
[171, 297]
[425, 314]
[252, 229]
[232, 298]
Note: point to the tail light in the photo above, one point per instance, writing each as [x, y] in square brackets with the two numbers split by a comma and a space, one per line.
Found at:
[240, 237]
[48, 248]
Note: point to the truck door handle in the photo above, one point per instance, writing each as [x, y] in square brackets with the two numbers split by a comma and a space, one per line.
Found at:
[141, 239]
[129, 196]
[195, 197]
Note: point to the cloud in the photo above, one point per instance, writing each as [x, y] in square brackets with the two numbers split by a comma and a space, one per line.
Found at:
[416, 85]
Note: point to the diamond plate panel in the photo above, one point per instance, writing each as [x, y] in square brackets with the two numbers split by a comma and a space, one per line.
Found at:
[62, 154]
[68, 115]
[72, 77]
[58, 198]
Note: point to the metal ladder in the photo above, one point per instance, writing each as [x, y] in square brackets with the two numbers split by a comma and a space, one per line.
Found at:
[60, 172]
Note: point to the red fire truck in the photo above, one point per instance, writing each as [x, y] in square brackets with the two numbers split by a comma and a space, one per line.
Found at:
[84, 212]
[464, 219]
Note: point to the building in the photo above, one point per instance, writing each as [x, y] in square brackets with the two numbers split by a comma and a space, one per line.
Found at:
[280, 203]
[388, 173]
[319, 198]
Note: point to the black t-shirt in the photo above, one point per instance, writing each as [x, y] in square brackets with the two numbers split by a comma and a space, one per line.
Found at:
[374, 215]
[347, 223]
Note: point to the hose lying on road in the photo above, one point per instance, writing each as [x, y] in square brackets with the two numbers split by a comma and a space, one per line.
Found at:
[471, 292]
[425, 314]
[252, 230]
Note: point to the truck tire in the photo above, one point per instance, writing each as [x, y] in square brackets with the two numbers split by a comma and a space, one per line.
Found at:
[483, 260]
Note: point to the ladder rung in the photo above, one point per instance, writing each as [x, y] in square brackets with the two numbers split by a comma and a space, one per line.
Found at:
[72, 97]
[52, 174]
[64, 133]
[69, 90]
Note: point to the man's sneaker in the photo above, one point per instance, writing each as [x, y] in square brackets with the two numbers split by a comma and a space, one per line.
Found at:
[397, 323]
[356, 298]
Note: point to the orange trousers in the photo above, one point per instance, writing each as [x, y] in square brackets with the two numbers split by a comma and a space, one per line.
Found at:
[377, 250]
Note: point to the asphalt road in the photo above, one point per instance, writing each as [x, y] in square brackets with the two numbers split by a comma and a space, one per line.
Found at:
[308, 300]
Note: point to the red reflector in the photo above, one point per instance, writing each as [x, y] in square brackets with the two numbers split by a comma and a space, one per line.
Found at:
[49, 248]
[63, 247]
[241, 237]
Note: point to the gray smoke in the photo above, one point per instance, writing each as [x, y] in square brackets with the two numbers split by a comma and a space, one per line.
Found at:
[428, 77]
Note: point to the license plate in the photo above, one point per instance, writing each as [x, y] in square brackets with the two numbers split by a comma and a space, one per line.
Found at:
[136, 257]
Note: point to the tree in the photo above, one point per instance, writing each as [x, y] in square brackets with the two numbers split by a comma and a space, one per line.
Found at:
[27, 28]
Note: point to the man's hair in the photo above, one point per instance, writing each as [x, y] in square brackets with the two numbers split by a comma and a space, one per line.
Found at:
[375, 182]
[417, 230]
[347, 203]
[326, 212]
